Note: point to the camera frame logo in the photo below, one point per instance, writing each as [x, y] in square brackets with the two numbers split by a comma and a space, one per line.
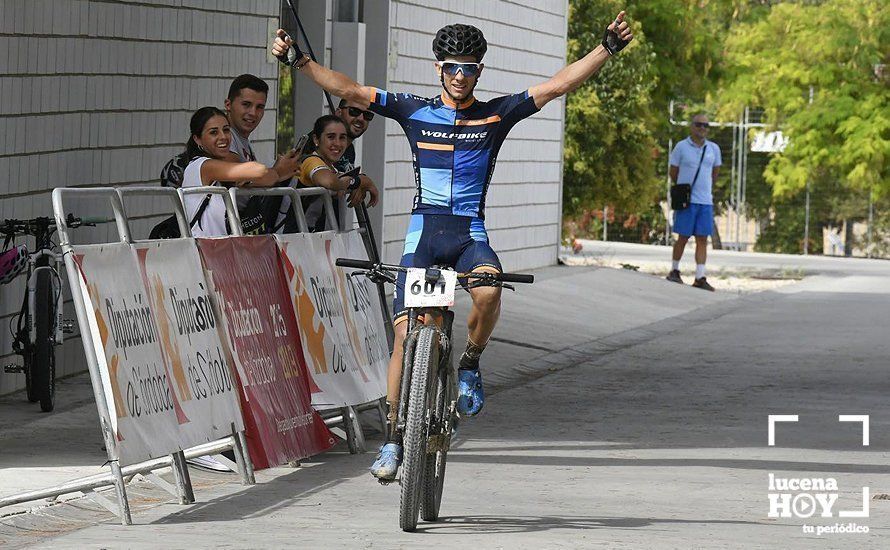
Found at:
[809, 497]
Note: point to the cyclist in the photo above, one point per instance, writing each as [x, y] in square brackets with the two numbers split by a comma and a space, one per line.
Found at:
[455, 139]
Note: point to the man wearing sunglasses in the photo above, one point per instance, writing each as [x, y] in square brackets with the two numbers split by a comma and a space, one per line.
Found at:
[455, 139]
[357, 121]
[696, 161]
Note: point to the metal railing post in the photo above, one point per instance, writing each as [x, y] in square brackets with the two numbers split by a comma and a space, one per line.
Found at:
[86, 329]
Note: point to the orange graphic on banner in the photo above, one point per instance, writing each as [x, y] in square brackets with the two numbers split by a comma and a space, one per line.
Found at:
[357, 346]
[306, 317]
[168, 340]
[180, 414]
[120, 411]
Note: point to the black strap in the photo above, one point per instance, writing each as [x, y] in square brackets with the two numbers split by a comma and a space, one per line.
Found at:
[200, 211]
[704, 148]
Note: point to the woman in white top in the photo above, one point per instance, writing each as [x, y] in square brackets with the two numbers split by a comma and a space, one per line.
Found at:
[213, 164]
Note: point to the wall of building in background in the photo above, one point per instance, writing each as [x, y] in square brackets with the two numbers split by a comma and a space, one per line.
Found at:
[99, 93]
[526, 45]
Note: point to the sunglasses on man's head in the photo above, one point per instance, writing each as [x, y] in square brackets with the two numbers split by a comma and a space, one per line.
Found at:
[702, 124]
[467, 69]
[355, 111]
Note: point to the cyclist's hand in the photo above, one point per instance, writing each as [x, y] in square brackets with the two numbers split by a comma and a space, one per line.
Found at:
[617, 35]
[284, 49]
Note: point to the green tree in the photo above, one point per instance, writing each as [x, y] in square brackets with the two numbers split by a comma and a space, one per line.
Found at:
[609, 145]
[835, 48]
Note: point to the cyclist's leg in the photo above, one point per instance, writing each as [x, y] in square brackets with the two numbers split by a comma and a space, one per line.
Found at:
[417, 253]
[477, 256]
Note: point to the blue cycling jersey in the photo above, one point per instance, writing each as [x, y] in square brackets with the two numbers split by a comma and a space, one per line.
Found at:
[454, 147]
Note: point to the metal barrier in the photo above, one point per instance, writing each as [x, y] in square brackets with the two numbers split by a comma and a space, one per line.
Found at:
[343, 418]
[182, 487]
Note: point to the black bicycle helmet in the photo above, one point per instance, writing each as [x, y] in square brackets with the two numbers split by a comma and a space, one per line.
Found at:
[459, 40]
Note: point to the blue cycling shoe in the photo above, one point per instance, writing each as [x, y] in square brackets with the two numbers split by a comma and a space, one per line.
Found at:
[470, 395]
[388, 460]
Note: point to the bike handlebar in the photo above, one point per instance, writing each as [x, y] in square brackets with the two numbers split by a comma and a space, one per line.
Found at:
[357, 264]
[515, 278]
[501, 277]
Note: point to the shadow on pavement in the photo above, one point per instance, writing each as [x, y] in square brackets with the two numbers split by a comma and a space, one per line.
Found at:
[531, 524]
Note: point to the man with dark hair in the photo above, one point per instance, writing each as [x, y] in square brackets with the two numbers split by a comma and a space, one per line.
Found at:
[245, 105]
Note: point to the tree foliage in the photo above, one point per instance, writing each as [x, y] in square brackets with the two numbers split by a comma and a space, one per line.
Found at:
[609, 144]
[844, 134]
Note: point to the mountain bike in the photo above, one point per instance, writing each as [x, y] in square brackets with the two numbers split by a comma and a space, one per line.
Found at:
[427, 412]
[39, 326]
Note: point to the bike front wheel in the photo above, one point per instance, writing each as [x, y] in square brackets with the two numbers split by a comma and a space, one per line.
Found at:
[426, 356]
[434, 473]
[43, 354]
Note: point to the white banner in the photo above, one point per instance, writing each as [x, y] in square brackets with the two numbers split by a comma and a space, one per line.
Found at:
[166, 377]
[341, 327]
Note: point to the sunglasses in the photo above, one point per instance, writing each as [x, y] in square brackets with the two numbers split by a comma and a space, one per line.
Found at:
[702, 124]
[355, 111]
[467, 69]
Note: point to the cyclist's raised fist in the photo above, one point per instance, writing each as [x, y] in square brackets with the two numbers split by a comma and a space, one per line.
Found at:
[617, 35]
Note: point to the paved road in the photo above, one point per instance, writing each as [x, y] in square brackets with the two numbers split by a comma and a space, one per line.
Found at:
[645, 436]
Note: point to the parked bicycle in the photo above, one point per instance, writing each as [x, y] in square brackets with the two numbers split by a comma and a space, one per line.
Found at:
[39, 326]
[427, 412]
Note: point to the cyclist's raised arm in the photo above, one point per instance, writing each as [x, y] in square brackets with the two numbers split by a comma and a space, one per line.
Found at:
[334, 82]
[569, 78]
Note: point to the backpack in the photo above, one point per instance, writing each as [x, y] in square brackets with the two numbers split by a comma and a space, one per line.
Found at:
[173, 172]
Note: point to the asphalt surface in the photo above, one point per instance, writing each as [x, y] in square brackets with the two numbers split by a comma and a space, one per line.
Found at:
[623, 411]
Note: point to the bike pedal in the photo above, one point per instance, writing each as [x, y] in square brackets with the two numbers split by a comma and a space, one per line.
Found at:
[10, 369]
[385, 482]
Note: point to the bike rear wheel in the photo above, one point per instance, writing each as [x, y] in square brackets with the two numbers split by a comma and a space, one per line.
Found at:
[434, 473]
[426, 353]
[43, 355]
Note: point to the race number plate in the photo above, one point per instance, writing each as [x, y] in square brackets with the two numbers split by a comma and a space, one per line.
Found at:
[419, 292]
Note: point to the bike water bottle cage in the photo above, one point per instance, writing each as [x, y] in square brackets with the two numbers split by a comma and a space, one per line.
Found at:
[451, 68]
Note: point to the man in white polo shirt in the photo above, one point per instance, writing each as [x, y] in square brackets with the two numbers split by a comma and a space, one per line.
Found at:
[698, 219]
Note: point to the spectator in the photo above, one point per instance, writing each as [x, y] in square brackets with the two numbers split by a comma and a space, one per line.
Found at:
[357, 121]
[321, 169]
[245, 106]
[695, 161]
[211, 162]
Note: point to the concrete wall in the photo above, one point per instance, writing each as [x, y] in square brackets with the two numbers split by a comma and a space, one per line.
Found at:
[527, 45]
[99, 93]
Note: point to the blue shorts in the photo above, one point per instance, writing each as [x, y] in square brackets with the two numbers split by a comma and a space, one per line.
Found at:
[443, 239]
[696, 220]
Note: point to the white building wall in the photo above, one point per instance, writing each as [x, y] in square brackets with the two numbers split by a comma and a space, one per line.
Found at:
[526, 45]
[99, 93]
